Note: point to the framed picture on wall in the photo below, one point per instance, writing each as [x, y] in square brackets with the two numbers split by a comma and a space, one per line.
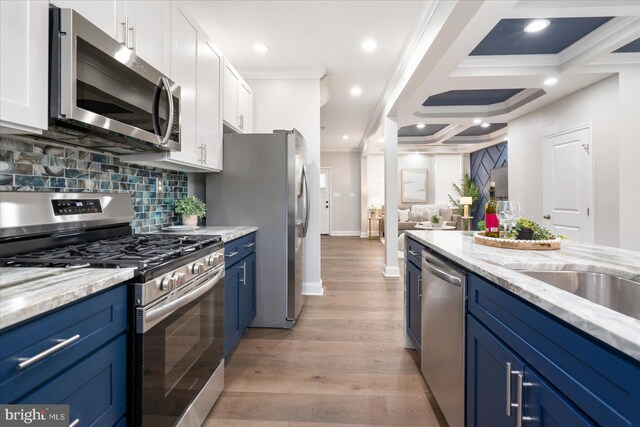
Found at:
[413, 185]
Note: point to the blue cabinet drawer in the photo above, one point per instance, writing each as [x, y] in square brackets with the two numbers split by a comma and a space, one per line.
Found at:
[414, 252]
[94, 321]
[237, 249]
[598, 379]
[94, 389]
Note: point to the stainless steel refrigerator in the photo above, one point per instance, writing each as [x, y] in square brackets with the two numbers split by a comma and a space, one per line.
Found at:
[264, 183]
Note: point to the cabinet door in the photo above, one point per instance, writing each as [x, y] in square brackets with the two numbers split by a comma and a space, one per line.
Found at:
[95, 388]
[184, 42]
[210, 103]
[231, 319]
[491, 379]
[150, 22]
[24, 41]
[545, 407]
[413, 279]
[247, 292]
[231, 81]
[108, 15]
[245, 107]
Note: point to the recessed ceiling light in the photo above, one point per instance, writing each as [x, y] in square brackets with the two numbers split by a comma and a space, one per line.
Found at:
[477, 121]
[345, 137]
[551, 81]
[356, 91]
[485, 125]
[536, 25]
[381, 139]
[369, 45]
[261, 48]
[506, 138]
[420, 125]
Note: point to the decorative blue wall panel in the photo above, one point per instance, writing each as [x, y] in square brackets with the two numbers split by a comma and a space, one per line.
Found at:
[482, 162]
[29, 164]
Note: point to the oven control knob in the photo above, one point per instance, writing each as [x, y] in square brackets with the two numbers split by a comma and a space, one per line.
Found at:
[197, 268]
[178, 279]
[165, 284]
[211, 261]
[219, 258]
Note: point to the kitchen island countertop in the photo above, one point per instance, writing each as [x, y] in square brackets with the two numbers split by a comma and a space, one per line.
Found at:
[499, 266]
[27, 292]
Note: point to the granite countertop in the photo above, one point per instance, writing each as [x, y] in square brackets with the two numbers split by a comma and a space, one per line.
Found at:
[27, 292]
[228, 233]
[499, 265]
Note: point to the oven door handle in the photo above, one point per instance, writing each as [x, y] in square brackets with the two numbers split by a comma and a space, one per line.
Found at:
[154, 316]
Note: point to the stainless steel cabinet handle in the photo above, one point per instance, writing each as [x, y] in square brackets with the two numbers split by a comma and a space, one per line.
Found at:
[75, 423]
[444, 276]
[413, 253]
[509, 372]
[248, 245]
[25, 362]
[204, 157]
[131, 29]
[420, 288]
[229, 255]
[547, 216]
[521, 386]
[125, 32]
[244, 273]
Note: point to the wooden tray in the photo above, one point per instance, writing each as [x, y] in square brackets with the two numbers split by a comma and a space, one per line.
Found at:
[530, 245]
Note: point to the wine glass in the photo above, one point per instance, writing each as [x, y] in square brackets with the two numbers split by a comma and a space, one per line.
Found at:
[517, 210]
[505, 214]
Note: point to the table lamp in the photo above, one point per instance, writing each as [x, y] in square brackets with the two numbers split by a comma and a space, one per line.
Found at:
[466, 201]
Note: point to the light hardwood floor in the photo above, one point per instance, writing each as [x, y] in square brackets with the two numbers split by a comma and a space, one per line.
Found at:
[342, 364]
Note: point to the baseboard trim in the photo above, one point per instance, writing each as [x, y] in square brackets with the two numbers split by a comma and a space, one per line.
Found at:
[364, 234]
[390, 271]
[345, 233]
[312, 288]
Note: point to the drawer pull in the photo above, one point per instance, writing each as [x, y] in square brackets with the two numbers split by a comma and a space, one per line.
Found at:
[413, 253]
[75, 423]
[25, 362]
[229, 255]
[249, 245]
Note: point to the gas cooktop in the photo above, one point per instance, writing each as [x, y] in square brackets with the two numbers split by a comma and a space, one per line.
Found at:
[143, 252]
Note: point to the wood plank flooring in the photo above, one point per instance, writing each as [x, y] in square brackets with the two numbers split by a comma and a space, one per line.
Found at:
[343, 364]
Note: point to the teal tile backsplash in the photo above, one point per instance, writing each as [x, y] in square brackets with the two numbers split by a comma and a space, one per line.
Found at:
[30, 164]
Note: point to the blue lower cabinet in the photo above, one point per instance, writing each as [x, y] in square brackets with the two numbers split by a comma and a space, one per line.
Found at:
[239, 289]
[231, 320]
[413, 280]
[247, 292]
[488, 389]
[94, 389]
[545, 407]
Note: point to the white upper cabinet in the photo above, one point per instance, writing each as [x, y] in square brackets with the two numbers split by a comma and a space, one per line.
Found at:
[148, 24]
[209, 126]
[108, 15]
[238, 101]
[24, 40]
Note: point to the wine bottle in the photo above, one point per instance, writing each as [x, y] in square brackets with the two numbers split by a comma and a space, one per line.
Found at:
[492, 224]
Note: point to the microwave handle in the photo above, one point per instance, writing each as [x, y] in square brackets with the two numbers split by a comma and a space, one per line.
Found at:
[155, 108]
[167, 135]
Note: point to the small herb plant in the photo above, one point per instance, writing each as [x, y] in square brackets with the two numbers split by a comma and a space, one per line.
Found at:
[191, 205]
[525, 229]
[435, 220]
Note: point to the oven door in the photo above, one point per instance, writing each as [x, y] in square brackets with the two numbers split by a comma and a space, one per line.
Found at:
[178, 345]
[100, 86]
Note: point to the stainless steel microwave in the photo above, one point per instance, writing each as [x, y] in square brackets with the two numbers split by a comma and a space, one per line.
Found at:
[103, 96]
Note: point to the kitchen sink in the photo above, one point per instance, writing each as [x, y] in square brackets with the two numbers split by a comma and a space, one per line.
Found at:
[618, 294]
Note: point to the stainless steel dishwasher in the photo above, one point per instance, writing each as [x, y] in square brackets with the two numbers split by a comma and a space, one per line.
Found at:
[443, 311]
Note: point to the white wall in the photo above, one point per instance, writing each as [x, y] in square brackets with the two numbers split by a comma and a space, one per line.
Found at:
[597, 104]
[345, 191]
[295, 103]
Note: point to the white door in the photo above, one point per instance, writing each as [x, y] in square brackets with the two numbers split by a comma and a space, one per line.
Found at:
[245, 107]
[231, 80]
[325, 206]
[568, 183]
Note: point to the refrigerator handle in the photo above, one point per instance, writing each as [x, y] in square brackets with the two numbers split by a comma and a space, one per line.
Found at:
[307, 207]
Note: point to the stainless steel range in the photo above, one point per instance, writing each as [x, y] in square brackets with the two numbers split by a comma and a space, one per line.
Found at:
[176, 297]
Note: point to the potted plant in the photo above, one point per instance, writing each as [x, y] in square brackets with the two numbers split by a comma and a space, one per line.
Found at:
[467, 188]
[191, 208]
[525, 229]
[435, 221]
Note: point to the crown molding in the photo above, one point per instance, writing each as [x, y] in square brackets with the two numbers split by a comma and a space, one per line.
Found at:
[315, 73]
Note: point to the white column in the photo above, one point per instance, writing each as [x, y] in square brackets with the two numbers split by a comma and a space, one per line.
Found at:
[364, 196]
[391, 198]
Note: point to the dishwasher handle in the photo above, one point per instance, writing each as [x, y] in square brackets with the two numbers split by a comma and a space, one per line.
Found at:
[443, 275]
